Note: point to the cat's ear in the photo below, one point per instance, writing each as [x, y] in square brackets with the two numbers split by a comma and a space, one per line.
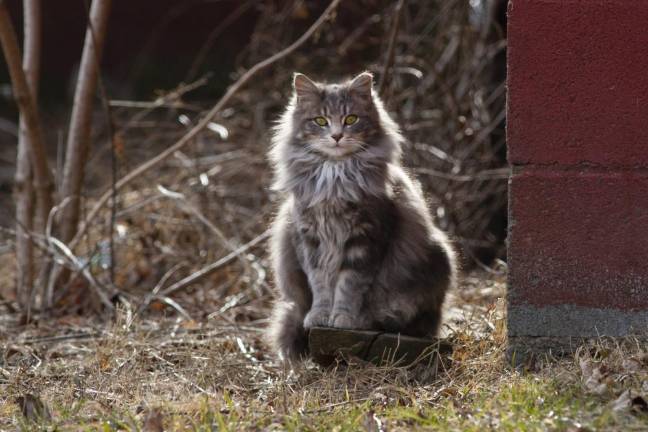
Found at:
[304, 87]
[362, 84]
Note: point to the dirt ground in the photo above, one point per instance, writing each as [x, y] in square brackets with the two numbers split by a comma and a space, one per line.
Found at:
[163, 371]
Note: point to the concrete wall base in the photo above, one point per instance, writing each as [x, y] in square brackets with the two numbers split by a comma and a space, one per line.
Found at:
[522, 351]
[538, 331]
[569, 320]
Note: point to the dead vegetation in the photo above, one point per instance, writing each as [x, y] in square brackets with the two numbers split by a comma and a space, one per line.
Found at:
[179, 252]
[217, 374]
[187, 213]
[89, 374]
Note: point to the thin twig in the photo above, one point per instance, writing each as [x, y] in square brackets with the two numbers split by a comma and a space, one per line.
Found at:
[57, 245]
[206, 46]
[60, 338]
[63, 256]
[151, 105]
[154, 292]
[357, 33]
[26, 103]
[170, 99]
[188, 137]
[186, 205]
[209, 269]
[391, 49]
[175, 305]
[180, 376]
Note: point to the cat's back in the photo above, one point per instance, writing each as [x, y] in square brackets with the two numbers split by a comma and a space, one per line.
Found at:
[417, 238]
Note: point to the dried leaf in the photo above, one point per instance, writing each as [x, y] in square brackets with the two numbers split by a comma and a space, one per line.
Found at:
[157, 306]
[190, 325]
[300, 11]
[104, 361]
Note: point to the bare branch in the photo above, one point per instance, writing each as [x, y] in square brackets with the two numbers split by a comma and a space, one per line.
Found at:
[27, 106]
[24, 190]
[170, 99]
[391, 49]
[81, 119]
[189, 208]
[209, 269]
[58, 252]
[32, 44]
[187, 138]
[65, 257]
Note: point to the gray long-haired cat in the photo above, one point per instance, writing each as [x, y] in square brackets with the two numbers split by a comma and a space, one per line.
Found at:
[353, 245]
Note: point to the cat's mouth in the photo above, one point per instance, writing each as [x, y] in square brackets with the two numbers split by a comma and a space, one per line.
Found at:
[337, 153]
[339, 150]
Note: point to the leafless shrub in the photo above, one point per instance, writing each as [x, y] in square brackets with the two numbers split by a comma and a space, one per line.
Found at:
[445, 91]
[23, 178]
[440, 88]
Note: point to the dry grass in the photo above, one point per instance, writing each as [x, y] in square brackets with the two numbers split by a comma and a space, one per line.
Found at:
[219, 375]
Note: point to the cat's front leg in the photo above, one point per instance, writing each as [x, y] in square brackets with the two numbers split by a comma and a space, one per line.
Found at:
[318, 315]
[362, 254]
[348, 309]
[322, 293]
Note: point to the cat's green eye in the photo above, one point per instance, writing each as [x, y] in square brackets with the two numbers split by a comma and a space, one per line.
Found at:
[350, 119]
[321, 121]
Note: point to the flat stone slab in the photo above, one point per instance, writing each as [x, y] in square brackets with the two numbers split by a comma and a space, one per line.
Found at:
[329, 344]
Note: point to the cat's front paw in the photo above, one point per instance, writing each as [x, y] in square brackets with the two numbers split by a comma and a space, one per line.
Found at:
[317, 318]
[343, 321]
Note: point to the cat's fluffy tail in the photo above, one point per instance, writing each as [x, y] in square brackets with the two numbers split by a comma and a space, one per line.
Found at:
[287, 334]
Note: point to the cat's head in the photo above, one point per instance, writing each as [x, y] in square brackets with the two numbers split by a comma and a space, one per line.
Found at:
[337, 121]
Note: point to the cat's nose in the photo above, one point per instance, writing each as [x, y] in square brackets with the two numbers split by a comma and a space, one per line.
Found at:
[337, 136]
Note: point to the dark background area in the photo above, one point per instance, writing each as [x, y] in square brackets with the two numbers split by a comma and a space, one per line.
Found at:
[150, 45]
[446, 91]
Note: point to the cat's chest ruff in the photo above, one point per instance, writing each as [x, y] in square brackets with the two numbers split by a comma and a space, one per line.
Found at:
[348, 180]
[327, 225]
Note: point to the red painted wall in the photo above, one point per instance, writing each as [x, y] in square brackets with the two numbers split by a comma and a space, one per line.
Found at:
[578, 82]
[578, 145]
